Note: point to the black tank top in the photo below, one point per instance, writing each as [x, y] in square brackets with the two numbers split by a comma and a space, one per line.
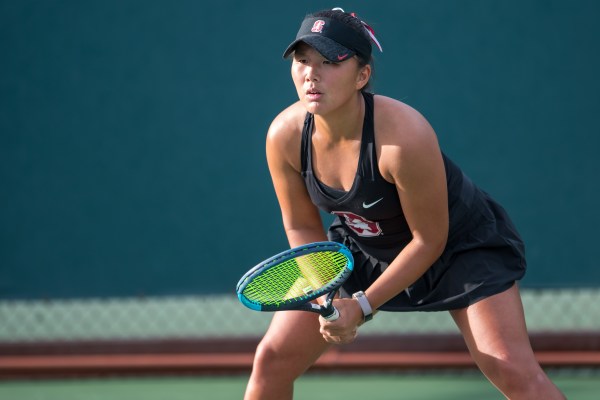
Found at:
[370, 212]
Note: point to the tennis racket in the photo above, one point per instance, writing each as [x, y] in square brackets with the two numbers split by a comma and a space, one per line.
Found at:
[292, 279]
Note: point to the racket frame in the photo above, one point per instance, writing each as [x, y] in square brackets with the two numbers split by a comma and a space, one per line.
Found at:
[301, 303]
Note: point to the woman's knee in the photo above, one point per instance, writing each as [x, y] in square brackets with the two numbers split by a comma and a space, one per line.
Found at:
[514, 374]
[267, 357]
[279, 362]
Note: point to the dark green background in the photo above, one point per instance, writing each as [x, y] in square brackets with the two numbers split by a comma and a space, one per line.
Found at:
[132, 132]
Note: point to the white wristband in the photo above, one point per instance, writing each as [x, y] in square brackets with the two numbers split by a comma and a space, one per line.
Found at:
[363, 302]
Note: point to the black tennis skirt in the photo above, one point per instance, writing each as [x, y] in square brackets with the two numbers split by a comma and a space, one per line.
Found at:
[483, 257]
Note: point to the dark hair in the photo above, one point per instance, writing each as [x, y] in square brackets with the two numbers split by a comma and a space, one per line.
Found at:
[354, 23]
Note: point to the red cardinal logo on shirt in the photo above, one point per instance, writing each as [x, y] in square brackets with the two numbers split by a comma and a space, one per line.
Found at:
[362, 227]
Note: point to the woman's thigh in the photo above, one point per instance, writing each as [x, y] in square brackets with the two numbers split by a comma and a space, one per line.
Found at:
[495, 332]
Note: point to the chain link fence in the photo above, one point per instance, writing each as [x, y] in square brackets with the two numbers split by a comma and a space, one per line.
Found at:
[549, 310]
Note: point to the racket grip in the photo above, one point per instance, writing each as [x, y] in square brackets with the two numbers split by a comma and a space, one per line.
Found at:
[332, 315]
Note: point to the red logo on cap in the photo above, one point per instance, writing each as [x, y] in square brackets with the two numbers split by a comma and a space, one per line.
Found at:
[318, 26]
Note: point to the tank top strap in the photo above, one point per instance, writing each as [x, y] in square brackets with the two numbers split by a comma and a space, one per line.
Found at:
[305, 148]
[368, 166]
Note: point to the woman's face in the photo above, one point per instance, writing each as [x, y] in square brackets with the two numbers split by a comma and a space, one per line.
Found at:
[322, 85]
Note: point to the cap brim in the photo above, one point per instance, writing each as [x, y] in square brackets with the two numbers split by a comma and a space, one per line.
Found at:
[328, 48]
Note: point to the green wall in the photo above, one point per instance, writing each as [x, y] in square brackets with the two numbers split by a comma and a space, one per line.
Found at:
[132, 132]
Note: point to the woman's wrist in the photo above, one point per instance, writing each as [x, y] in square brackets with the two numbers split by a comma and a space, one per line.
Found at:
[364, 304]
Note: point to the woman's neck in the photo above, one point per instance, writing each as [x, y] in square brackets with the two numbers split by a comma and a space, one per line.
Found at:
[345, 123]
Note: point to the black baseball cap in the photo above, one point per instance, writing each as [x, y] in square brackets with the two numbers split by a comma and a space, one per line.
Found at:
[332, 38]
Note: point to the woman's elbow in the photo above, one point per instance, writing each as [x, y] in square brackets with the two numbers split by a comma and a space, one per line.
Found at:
[434, 244]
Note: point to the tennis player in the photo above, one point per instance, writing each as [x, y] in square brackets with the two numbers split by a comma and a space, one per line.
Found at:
[423, 236]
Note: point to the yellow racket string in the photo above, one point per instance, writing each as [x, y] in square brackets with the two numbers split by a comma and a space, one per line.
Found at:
[295, 278]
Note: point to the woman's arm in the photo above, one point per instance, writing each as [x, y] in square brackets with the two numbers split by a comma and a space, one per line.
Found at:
[412, 160]
[301, 218]
[409, 156]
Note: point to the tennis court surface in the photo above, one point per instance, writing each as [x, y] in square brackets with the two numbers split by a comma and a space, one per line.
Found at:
[442, 385]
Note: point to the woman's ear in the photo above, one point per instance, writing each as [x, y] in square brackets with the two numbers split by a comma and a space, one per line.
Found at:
[363, 77]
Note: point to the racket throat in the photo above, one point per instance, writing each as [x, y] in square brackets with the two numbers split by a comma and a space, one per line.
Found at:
[327, 310]
[316, 308]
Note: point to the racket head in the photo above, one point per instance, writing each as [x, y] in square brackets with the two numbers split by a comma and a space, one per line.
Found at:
[292, 278]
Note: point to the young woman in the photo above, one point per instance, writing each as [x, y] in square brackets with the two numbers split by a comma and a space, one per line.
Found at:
[423, 236]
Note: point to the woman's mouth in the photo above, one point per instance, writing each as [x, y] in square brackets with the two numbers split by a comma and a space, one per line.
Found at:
[313, 94]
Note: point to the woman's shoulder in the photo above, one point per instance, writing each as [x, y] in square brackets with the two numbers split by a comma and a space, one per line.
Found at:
[404, 137]
[389, 111]
[398, 122]
[285, 135]
[288, 123]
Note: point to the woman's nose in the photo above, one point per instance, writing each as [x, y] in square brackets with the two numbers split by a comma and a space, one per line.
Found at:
[311, 74]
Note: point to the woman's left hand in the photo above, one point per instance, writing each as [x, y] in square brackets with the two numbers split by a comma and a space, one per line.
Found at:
[344, 329]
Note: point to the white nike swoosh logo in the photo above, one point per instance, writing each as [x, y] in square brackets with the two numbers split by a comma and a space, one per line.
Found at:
[371, 204]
